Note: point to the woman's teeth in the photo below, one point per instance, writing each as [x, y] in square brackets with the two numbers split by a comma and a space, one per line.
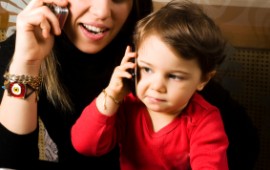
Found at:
[93, 29]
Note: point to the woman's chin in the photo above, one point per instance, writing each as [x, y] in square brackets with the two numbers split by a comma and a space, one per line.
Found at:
[90, 48]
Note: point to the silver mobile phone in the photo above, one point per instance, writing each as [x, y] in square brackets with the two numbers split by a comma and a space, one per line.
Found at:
[60, 12]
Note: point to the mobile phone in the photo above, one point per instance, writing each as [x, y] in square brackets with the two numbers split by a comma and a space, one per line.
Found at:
[60, 12]
[133, 81]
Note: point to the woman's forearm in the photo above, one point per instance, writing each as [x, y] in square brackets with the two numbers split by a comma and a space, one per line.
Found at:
[17, 114]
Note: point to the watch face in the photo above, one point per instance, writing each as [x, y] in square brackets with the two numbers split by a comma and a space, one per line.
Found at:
[17, 89]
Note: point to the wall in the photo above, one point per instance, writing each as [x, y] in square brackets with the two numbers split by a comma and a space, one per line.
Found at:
[244, 25]
[13, 7]
[241, 3]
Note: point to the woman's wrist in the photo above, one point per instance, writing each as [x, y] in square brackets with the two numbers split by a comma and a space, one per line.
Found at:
[22, 86]
[25, 67]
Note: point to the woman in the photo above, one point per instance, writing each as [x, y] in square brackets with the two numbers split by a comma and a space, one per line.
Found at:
[91, 44]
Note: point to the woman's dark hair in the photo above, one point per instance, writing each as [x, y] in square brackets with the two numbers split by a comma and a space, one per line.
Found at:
[140, 9]
[185, 27]
[55, 92]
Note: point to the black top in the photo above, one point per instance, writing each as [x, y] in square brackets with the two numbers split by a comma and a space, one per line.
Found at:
[85, 76]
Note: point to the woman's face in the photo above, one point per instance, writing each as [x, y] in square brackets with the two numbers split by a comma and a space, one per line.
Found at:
[93, 24]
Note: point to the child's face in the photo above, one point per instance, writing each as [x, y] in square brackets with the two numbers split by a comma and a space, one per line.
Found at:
[167, 81]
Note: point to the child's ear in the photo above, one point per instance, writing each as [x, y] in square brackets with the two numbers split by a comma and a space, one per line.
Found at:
[206, 80]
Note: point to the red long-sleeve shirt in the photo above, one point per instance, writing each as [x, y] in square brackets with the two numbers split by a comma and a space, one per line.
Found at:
[196, 138]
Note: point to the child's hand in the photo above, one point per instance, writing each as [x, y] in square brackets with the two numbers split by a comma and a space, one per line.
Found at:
[117, 87]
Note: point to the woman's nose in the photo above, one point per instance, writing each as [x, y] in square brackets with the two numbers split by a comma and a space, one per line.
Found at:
[101, 8]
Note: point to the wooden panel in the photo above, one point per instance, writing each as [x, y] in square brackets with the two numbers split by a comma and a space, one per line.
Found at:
[247, 27]
[4, 15]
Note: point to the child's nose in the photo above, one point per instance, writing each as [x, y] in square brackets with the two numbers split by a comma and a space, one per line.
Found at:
[158, 83]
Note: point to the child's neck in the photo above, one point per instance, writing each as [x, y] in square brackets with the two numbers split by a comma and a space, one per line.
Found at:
[160, 120]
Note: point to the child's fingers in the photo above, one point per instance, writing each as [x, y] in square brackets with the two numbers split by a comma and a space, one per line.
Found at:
[121, 71]
[128, 55]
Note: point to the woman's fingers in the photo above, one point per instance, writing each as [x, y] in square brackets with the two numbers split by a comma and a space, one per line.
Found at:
[36, 11]
[35, 18]
[38, 3]
[45, 28]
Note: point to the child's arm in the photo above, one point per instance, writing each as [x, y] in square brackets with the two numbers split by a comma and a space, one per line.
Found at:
[109, 99]
[94, 133]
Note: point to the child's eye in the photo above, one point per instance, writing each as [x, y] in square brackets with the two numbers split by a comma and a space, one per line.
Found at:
[146, 69]
[119, 1]
[176, 77]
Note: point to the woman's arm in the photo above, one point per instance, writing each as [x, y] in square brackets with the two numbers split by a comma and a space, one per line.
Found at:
[35, 29]
[15, 149]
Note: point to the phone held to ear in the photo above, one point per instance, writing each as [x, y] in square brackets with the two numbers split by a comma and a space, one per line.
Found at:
[133, 81]
[60, 12]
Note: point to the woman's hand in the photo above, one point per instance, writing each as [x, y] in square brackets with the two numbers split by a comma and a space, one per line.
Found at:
[35, 29]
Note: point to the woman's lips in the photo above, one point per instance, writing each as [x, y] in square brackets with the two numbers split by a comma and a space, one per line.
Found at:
[94, 33]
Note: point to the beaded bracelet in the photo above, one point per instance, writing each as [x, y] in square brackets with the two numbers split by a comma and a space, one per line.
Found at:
[113, 99]
[21, 86]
